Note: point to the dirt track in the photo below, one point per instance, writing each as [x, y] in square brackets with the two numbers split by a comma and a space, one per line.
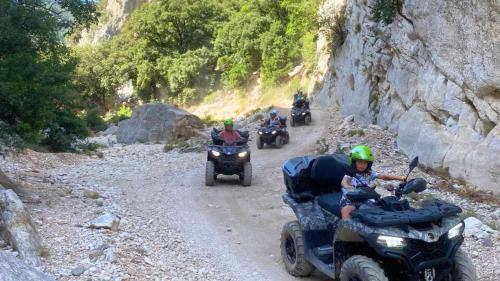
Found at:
[246, 221]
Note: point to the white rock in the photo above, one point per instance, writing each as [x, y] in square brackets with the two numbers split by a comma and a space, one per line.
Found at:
[14, 269]
[475, 228]
[106, 221]
[18, 227]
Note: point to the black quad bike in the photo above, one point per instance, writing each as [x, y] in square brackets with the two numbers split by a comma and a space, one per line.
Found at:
[273, 135]
[385, 239]
[228, 159]
[300, 115]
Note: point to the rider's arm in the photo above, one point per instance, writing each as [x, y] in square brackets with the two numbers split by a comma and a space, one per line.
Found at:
[391, 177]
[346, 182]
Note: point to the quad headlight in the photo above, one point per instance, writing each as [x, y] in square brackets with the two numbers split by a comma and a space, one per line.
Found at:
[215, 153]
[242, 154]
[293, 114]
[274, 132]
[456, 230]
[260, 133]
[303, 113]
[391, 242]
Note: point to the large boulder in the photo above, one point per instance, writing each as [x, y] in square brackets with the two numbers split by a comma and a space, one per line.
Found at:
[17, 228]
[6, 182]
[158, 123]
[14, 269]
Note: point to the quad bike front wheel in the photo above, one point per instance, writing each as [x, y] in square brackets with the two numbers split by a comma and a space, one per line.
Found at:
[260, 143]
[210, 173]
[293, 251]
[463, 268]
[292, 122]
[279, 141]
[247, 174]
[308, 119]
[361, 268]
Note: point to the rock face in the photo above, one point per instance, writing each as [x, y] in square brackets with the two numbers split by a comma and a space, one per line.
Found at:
[117, 13]
[14, 269]
[158, 123]
[17, 228]
[432, 77]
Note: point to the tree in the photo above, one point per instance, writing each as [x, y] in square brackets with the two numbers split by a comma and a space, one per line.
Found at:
[35, 67]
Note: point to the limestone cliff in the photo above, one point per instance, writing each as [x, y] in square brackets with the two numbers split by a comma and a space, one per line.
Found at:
[432, 77]
[114, 16]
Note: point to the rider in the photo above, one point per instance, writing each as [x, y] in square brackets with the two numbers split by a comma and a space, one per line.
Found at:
[361, 159]
[229, 135]
[273, 120]
[300, 100]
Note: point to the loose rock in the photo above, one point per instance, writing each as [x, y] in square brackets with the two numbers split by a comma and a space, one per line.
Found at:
[106, 221]
[19, 228]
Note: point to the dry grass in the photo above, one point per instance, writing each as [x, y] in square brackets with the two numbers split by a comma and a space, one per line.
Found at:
[232, 103]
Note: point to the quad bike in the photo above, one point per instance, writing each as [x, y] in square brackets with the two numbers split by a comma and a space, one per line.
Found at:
[228, 159]
[273, 135]
[300, 115]
[385, 239]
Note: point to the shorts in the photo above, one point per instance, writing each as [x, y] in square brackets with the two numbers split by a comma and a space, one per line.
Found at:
[345, 202]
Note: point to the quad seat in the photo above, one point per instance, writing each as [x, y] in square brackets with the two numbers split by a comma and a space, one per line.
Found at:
[331, 202]
[308, 178]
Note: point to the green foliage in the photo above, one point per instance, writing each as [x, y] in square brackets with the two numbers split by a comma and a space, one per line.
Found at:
[36, 68]
[385, 10]
[64, 131]
[335, 29]
[94, 120]
[279, 53]
[178, 51]
[238, 45]
[123, 113]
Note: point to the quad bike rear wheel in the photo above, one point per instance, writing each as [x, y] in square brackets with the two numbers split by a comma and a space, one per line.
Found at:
[293, 250]
[210, 173]
[247, 174]
[279, 141]
[308, 120]
[287, 138]
[463, 268]
[260, 143]
[361, 268]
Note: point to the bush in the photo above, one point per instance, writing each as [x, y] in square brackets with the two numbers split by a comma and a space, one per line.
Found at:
[64, 131]
[123, 113]
[8, 138]
[335, 29]
[94, 121]
[385, 10]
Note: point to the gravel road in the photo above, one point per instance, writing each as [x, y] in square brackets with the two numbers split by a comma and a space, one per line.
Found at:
[172, 226]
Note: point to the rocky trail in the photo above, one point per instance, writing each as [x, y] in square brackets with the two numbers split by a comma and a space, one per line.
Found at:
[173, 227]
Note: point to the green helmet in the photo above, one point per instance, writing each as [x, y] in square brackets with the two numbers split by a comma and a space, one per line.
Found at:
[361, 152]
[228, 122]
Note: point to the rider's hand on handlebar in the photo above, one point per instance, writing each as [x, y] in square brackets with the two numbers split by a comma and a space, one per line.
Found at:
[391, 189]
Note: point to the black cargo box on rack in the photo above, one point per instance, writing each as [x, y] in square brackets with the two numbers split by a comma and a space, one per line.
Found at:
[299, 179]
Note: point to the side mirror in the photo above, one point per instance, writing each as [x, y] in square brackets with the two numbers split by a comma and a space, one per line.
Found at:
[414, 163]
[415, 185]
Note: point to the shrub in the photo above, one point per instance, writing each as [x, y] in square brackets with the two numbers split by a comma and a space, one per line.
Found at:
[94, 121]
[385, 10]
[123, 113]
[64, 131]
[334, 28]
